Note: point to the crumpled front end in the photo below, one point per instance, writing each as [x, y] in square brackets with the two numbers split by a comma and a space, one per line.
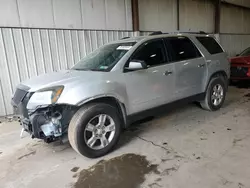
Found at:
[48, 122]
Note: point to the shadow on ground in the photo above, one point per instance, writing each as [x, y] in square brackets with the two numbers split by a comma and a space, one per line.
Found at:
[241, 84]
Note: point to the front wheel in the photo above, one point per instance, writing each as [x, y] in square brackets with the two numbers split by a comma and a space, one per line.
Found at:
[94, 130]
[215, 94]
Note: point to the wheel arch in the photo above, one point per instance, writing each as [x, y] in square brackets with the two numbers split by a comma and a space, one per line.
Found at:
[217, 74]
[111, 100]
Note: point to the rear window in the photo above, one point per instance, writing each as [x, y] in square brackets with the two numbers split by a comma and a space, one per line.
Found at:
[210, 44]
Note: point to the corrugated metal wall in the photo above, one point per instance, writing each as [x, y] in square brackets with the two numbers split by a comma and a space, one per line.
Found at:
[158, 15]
[234, 44]
[25, 53]
[67, 14]
[235, 28]
[245, 3]
[235, 20]
[161, 15]
[197, 15]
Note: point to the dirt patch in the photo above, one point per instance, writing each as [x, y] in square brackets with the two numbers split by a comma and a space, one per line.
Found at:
[124, 171]
[237, 140]
[74, 169]
[247, 95]
[169, 171]
[203, 138]
[154, 185]
[74, 176]
[240, 185]
[27, 155]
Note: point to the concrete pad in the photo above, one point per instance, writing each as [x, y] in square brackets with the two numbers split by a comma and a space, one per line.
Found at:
[193, 148]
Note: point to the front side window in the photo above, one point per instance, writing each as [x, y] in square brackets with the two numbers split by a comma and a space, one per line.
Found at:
[152, 53]
[245, 52]
[104, 58]
[182, 48]
[210, 44]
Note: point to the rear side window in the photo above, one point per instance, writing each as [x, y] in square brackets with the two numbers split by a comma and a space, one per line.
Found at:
[210, 44]
[181, 48]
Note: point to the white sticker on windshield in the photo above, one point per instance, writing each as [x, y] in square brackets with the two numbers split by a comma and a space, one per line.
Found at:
[124, 47]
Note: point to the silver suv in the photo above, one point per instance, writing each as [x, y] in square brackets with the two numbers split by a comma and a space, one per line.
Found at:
[119, 82]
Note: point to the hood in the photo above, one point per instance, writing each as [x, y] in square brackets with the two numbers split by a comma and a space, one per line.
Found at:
[62, 78]
[240, 60]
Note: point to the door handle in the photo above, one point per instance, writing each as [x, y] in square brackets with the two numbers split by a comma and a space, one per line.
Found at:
[201, 65]
[168, 73]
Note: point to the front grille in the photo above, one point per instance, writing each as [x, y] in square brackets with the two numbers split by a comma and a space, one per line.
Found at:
[18, 96]
[239, 71]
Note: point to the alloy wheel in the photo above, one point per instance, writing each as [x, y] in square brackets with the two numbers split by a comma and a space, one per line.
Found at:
[217, 95]
[99, 132]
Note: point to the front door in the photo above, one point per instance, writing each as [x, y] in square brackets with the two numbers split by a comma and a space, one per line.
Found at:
[153, 86]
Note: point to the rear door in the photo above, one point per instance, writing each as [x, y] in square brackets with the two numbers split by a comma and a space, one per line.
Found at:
[190, 66]
[217, 59]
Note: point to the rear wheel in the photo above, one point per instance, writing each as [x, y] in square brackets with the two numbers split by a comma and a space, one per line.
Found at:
[95, 129]
[215, 94]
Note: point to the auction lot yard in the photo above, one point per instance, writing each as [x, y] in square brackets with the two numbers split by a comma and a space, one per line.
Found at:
[186, 147]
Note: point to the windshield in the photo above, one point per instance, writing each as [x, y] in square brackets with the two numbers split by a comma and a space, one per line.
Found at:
[104, 58]
[246, 52]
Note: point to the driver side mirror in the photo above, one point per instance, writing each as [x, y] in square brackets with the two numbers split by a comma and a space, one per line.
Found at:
[237, 55]
[136, 65]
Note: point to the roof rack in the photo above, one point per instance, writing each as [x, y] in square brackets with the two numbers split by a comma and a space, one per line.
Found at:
[203, 32]
[160, 33]
[156, 33]
[125, 38]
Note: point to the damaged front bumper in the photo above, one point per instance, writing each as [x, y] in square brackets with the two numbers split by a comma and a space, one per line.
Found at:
[49, 122]
[44, 124]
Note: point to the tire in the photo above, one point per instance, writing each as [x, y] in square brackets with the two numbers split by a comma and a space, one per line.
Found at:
[208, 104]
[78, 130]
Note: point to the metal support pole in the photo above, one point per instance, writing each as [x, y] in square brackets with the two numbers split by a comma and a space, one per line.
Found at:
[217, 16]
[135, 15]
[178, 14]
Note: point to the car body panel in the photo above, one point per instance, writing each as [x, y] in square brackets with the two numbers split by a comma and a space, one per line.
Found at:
[149, 88]
[189, 77]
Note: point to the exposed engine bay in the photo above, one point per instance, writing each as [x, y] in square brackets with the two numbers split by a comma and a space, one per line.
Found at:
[50, 123]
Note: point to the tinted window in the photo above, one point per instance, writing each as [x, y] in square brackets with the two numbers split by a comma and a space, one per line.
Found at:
[210, 44]
[245, 52]
[152, 53]
[181, 48]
